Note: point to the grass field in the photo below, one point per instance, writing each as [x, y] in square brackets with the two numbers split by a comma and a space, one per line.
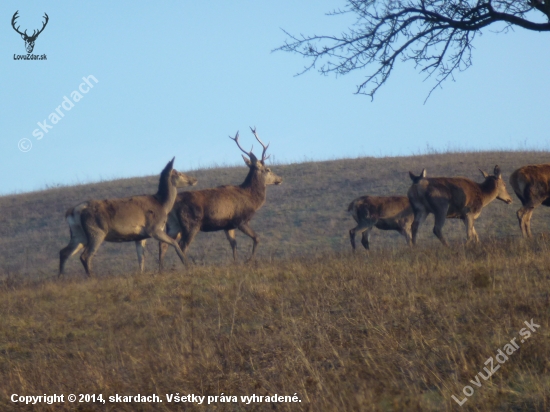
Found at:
[398, 329]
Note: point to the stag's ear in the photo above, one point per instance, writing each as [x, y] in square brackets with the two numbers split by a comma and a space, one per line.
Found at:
[497, 172]
[485, 174]
[247, 161]
[423, 174]
[412, 176]
[253, 159]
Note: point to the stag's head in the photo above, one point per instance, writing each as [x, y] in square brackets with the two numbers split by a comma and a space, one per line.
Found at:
[415, 179]
[180, 179]
[263, 172]
[502, 193]
[29, 40]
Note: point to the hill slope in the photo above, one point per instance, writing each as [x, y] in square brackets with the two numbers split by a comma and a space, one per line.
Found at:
[307, 213]
[400, 330]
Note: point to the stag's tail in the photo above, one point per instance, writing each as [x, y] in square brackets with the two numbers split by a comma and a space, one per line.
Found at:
[72, 215]
[355, 209]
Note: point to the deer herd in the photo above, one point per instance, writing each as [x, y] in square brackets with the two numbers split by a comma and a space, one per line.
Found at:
[175, 218]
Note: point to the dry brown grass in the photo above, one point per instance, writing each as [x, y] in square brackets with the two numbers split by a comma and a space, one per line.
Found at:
[398, 329]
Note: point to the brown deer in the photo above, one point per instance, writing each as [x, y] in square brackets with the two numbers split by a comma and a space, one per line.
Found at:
[454, 197]
[222, 208]
[532, 186]
[382, 212]
[129, 219]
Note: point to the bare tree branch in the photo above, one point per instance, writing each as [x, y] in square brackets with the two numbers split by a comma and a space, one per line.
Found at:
[436, 34]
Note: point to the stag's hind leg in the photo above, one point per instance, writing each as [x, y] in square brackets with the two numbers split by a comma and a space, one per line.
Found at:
[64, 254]
[230, 234]
[364, 229]
[406, 231]
[524, 218]
[440, 217]
[77, 242]
[365, 237]
[95, 240]
[529, 201]
[420, 216]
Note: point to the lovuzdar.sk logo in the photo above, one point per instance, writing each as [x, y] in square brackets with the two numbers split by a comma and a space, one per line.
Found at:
[29, 40]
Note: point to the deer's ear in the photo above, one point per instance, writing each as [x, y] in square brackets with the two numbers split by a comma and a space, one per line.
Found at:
[253, 159]
[485, 174]
[247, 161]
[497, 172]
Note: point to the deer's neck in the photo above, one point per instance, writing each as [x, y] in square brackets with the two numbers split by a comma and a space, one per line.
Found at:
[255, 186]
[167, 193]
[488, 191]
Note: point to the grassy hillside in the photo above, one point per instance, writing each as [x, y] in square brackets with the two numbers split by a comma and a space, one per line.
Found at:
[403, 330]
[306, 214]
[398, 329]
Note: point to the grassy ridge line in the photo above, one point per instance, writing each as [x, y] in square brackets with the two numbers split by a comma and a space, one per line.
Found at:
[403, 329]
[305, 215]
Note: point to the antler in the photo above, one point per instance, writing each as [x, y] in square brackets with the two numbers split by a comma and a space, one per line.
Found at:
[15, 16]
[35, 33]
[236, 139]
[43, 27]
[264, 158]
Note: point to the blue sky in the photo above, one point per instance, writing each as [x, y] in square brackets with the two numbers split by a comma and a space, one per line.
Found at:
[175, 78]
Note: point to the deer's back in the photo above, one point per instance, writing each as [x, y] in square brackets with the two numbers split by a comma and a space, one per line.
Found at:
[125, 219]
[461, 194]
[379, 207]
[224, 207]
[534, 177]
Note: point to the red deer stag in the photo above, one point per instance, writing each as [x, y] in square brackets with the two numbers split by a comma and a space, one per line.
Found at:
[532, 186]
[383, 212]
[222, 208]
[453, 197]
[130, 219]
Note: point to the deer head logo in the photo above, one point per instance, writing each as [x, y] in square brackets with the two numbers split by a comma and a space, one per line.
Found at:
[29, 40]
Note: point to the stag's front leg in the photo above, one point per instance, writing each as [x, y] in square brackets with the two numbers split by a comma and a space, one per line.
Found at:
[230, 234]
[140, 249]
[161, 236]
[163, 247]
[471, 234]
[247, 230]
